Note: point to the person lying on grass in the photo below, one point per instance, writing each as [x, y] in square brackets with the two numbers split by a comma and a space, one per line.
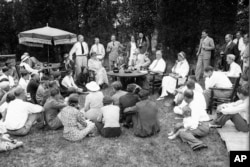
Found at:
[182, 126]
[237, 112]
[108, 122]
[7, 143]
[145, 116]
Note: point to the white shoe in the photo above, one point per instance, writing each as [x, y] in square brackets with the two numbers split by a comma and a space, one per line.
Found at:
[171, 133]
[172, 137]
[160, 98]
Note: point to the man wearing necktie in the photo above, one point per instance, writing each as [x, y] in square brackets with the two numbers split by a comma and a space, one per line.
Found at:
[81, 50]
[98, 48]
[112, 49]
[204, 54]
[229, 48]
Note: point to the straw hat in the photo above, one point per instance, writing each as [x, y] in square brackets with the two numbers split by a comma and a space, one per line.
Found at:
[24, 57]
[92, 86]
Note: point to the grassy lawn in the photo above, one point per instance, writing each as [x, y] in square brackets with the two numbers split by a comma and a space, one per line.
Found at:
[48, 148]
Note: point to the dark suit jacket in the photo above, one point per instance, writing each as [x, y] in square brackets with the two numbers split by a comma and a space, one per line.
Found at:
[231, 49]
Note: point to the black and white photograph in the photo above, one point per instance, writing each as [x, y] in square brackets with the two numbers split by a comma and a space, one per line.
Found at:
[124, 83]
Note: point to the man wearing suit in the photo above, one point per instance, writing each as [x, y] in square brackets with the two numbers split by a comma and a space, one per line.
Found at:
[229, 48]
[204, 54]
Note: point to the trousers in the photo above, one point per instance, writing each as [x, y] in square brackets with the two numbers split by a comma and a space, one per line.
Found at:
[200, 66]
[79, 63]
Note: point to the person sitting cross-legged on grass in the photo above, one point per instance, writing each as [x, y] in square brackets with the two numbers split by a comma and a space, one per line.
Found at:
[93, 101]
[21, 115]
[128, 100]
[200, 128]
[108, 122]
[68, 83]
[237, 112]
[145, 117]
[183, 126]
[75, 126]
[53, 106]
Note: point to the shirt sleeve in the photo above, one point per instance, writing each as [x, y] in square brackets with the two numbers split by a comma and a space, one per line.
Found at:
[66, 82]
[147, 61]
[58, 105]
[87, 104]
[102, 51]
[33, 108]
[236, 108]
[184, 70]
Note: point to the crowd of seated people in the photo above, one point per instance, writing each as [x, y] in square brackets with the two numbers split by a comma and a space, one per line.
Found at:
[38, 100]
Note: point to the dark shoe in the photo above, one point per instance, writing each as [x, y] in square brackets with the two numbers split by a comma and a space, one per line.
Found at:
[199, 147]
[126, 126]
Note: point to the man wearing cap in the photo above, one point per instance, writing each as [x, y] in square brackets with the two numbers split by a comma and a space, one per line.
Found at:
[108, 122]
[22, 115]
[98, 48]
[24, 80]
[25, 63]
[81, 51]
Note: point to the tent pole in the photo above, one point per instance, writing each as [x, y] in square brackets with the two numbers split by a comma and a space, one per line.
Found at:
[48, 54]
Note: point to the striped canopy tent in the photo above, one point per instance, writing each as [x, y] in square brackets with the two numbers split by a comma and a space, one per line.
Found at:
[46, 36]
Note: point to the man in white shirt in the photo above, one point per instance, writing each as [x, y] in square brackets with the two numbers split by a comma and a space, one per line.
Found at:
[69, 83]
[237, 112]
[234, 68]
[216, 79]
[197, 116]
[81, 50]
[21, 115]
[24, 80]
[156, 69]
[98, 48]
[239, 41]
[180, 91]
[199, 98]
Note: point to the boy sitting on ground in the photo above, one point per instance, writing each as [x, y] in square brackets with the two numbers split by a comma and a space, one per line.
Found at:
[182, 126]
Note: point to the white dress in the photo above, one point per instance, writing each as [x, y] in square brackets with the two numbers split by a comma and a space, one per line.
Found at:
[169, 83]
[100, 72]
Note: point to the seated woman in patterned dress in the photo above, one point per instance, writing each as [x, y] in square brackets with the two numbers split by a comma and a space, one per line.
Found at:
[75, 126]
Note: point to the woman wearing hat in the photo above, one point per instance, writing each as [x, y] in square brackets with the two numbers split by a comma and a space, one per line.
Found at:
[179, 73]
[145, 117]
[93, 101]
[100, 73]
[75, 126]
[108, 122]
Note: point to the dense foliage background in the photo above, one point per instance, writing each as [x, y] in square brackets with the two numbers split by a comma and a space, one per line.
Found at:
[177, 23]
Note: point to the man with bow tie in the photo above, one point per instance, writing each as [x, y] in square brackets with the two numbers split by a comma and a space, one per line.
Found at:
[204, 54]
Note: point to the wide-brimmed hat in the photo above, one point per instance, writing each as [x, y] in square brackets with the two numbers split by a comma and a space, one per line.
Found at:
[107, 100]
[24, 57]
[92, 86]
